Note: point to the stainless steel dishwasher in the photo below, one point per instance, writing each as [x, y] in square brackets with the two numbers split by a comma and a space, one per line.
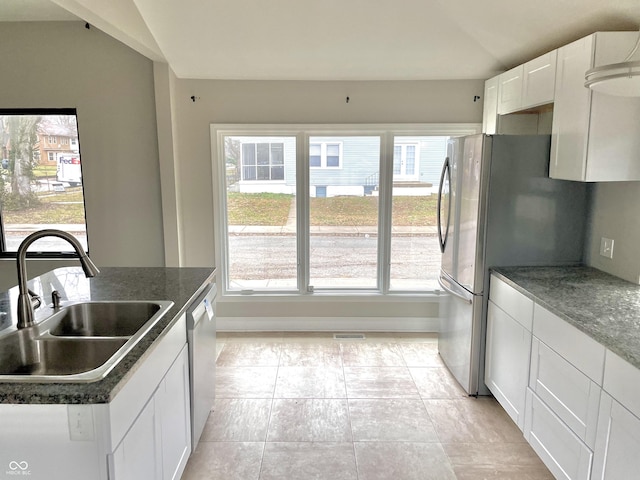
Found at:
[201, 338]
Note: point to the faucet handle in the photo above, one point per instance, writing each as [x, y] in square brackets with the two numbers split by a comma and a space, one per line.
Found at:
[36, 301]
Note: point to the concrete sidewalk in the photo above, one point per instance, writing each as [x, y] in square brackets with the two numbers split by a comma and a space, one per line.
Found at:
[327, 230]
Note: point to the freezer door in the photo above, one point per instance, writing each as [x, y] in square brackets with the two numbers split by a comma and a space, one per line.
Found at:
[460, 334]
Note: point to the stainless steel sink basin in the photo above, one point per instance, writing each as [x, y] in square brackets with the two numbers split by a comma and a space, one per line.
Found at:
[81, 342]
[62, 356]
[103, 319]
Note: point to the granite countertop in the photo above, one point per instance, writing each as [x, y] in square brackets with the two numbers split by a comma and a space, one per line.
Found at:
[179, 285]
[604, 307]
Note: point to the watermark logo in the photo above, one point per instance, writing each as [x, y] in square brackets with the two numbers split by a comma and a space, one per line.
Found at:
[18, 468]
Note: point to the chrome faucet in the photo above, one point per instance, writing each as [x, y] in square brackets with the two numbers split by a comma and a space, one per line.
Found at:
[25, 307]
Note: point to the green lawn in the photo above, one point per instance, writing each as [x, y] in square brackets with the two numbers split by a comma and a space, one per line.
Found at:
[268, 209]
[49, 210]
[273, 209]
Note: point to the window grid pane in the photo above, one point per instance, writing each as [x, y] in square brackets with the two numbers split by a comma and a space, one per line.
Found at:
[343, 220]
[262, 203]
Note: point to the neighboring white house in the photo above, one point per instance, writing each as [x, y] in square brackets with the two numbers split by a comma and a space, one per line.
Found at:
[338, 165]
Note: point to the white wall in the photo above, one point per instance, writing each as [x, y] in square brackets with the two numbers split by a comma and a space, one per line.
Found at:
[615, 214]
[63, 64]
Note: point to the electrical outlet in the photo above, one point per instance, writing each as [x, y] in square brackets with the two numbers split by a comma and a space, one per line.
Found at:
[80, 419]
[606, 247]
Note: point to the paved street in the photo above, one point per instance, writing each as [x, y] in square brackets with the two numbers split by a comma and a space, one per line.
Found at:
[333, 260]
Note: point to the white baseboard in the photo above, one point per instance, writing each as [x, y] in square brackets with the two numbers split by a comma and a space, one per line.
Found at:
[327, 324]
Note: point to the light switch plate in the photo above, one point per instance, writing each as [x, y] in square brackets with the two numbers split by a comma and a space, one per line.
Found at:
[606, 247]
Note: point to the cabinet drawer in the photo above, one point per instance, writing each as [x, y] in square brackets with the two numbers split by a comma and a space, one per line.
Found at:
[569, 393]
[621, 381]
[559, 448]
[514, 303]
[577, 348]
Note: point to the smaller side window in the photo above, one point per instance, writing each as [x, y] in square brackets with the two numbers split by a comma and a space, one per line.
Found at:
[41, 180]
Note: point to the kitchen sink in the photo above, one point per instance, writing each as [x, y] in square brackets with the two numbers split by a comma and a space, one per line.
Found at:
[102, 319]
[79, 342]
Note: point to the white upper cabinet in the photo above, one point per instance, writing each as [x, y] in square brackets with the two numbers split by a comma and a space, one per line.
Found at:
[595, 137]
[526, 86]
[490, 111]
[539, 80]
[510, 90]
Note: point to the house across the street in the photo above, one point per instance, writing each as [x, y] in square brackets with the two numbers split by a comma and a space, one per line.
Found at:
[346, 165]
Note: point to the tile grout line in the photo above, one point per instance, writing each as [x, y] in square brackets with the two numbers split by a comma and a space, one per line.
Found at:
[346, 393]
[273, 395]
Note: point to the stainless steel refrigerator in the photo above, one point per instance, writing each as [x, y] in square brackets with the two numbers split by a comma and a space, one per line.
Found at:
[497, 207]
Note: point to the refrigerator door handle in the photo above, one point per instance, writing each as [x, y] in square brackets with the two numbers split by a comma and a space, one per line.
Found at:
[455, 290]
[446, 174]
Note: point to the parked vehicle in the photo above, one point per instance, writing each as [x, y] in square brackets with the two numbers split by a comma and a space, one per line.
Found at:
[69, 169]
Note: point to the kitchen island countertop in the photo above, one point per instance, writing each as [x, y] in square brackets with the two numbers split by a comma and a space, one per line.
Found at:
[179, 285]
[604, 307]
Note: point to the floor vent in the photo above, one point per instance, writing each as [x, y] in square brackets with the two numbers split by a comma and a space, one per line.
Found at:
[348, 336]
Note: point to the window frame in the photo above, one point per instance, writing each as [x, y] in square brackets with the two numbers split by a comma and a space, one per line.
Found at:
[323, 155]
[403, 157]
[37, 253]
[303, 133]
[257, 165]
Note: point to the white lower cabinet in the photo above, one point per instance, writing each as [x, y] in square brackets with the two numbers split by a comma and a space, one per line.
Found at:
[581, 411]
[564, 454]
[172, 409]
[158, 444]
[507, 362]
[617, 451]
[137, 455]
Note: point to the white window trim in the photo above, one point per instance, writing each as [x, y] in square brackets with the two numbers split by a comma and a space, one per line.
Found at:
[303, 132]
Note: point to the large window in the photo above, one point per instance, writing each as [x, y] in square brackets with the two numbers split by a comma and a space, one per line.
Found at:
[40, 179]
[352, 209]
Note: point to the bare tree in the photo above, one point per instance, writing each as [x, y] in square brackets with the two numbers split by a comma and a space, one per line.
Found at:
[23, 140]
[232, 150]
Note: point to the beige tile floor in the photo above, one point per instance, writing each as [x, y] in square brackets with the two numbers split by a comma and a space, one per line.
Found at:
[307, 406]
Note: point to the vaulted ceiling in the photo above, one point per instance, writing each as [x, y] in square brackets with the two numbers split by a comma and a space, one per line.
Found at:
[338, 39]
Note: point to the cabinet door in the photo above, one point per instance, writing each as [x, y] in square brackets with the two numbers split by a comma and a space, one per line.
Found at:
[539, 80]
[490, 112]
[564, 454]
[172, 404]
[617, 452]
[137, 457]
[571, 395]
[571, 111]
[507, 362]
[510, 91]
